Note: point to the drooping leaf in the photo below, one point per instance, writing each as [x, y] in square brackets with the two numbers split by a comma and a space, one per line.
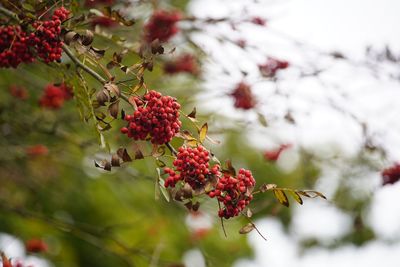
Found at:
[203, 132]
[247, 228]
[281, 197]
[296, 196]
[262, 120]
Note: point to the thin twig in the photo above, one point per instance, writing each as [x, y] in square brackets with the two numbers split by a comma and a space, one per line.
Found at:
[79, 64]
[222, 221]
[171, 148]
[9, 14]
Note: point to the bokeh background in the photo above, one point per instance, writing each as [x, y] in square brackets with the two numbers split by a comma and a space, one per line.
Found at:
[336, 105]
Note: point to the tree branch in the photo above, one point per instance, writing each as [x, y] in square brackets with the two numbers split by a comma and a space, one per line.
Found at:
[79, 64]
[9, 14]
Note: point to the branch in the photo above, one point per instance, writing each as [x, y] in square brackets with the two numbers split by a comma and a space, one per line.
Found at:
[79, 64]
[171, 148]
[9, 14]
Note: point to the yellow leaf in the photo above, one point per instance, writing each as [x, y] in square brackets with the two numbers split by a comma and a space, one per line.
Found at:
[192, 142]
[281, 196]
[203, 132]
[296, 196]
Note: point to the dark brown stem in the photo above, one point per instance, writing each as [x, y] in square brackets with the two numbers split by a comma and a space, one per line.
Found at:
[9, 14]
[171, 148]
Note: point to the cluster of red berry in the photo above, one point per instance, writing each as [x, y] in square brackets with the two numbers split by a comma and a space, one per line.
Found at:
[273, 155]
[391, 175]
[18, 46]
[193, 167]
[185, 63]
[234, 193]
[19, 92]
[14, 47]
[47, 36]
[243, 96]
[272, 65]
[54, 96]
[162, 26]
[157, 116]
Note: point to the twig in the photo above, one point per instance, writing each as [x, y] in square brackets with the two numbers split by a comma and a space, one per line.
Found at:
[171, 148]
[222, 221]
[9, 14]
[79, 64]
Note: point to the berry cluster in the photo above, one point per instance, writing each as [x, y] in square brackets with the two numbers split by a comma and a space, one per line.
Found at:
[54, 96]
[234, 193]
[192, 166]
[36, 150]
[47, 36]
[272, 65]
[162, 26]
[391, 175]
[36, 246]
[273, 155]
[14, 47]
[103, 21]
[18, 46]
[258, 21]
[19, 92]
[157, 116]
[185, 63]
[243, 96]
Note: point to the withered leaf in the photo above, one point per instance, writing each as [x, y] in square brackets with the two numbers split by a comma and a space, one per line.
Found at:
[115, 160]
[266, 187]
[296, 196]
[247, 228]
[114, 109]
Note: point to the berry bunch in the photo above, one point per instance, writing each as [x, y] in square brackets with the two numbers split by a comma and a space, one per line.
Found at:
[273, 155]
[185, 63]
[391, 175]
[157, 116]
[243, 96]
[234, 193]
[47, 36]
[258, 21]
[54, 96]
[162, 26]
[193, 167]
[18, 46]
[36, 246]
[14, 47]
[19, 92]
[272, 65]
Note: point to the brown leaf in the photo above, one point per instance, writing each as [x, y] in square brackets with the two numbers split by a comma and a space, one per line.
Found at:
[281, 196]
[266, 187]
[247, 228]
[114, 109]
[112, 89]
[87, 38]
[231, 170]
[115, 160]
[97, 53]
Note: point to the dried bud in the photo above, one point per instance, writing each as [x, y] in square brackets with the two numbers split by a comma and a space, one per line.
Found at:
[115, 160]
[87, 38]
[114, 109]
[102, 97]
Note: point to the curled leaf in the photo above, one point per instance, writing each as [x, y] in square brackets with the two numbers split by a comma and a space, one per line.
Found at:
[266, 187]
[247, 228]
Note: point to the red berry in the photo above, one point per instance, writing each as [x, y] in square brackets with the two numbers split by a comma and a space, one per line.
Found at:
[243, 96]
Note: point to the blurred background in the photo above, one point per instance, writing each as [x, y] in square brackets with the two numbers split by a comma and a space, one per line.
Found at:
[323, 87]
